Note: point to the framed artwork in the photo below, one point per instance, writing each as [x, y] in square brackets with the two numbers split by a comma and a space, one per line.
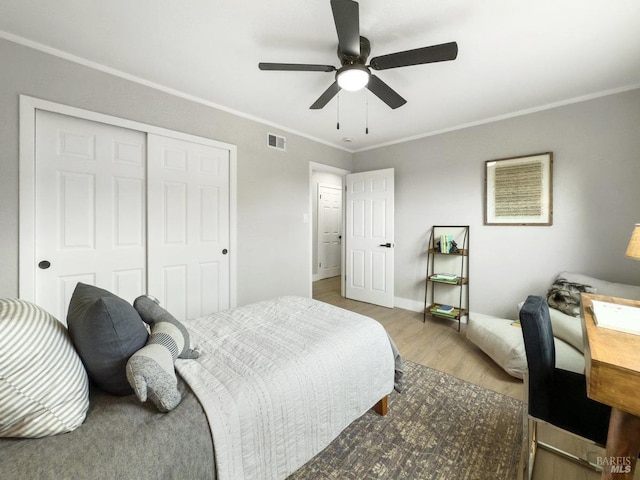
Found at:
[518, 190]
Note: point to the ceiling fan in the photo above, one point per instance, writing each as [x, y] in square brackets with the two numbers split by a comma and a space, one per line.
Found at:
[353, 51]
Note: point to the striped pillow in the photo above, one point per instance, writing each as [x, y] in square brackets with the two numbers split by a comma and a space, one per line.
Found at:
[44, 388]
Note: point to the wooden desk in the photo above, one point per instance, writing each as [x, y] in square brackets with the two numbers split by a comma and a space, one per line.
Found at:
[612, 367]
[612, 359]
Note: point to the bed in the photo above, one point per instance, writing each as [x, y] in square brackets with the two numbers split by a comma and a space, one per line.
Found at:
[275, 382]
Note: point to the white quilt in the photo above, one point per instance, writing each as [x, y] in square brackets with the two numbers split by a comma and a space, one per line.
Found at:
[280, 379]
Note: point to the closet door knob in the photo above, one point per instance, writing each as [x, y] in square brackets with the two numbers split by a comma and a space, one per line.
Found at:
[224, 251]
[44, 264]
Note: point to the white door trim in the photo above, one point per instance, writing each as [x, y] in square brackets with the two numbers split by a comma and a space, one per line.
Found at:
[28, 107]
[321, 167]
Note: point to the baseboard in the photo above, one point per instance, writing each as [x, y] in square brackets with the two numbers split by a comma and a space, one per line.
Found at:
[407, 304]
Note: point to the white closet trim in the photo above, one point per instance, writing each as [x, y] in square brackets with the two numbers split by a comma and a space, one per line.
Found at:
[28, 107]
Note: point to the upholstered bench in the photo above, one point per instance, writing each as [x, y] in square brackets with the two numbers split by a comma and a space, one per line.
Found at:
[501, 340]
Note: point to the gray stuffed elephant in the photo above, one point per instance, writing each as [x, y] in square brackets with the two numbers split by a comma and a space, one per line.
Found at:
[150, 370]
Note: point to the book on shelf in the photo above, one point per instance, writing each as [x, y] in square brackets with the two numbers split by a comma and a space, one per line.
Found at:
[444, 277]
[444, 310]
[442, 314]
[616, 317]
[445, 243]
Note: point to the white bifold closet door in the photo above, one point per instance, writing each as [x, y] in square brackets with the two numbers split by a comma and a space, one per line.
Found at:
[129, 212]
[188, 225]
[90, 210]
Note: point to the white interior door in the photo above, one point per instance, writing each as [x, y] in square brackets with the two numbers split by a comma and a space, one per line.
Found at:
[188, 226]
[329, 230]
[89, 209]
[370, 237]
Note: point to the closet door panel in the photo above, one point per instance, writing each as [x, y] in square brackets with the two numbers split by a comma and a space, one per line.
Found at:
[89, 209]
[174, 207]
[129, 209]
[209, 280]
[174, 289]
[188, 226]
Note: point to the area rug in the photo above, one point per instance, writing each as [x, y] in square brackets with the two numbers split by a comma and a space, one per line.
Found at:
[439, 427]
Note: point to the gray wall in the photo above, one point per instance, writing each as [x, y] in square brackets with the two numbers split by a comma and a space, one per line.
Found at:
[439, 180]
[596, 197]
[274, 247]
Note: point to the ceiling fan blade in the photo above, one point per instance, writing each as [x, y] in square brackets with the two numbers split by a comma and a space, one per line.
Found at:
[384, 92]
[296, 67]
[434, 53]
[328, 94]
[346, 16]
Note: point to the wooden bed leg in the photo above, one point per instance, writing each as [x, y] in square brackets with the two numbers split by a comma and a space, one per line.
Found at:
[382, 406]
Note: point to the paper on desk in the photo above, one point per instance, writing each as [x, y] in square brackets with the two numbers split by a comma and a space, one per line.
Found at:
[616, 317]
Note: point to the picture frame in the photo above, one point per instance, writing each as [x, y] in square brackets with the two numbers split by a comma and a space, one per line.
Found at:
[519, 190]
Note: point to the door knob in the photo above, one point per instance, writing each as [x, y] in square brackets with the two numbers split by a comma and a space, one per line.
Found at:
[388, 245]
[44, 264]
[224, 251]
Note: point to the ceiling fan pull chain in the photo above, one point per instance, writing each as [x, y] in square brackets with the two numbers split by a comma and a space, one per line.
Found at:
[338, 113]
[366, 130]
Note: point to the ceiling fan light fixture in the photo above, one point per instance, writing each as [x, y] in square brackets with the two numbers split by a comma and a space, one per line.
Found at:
[353, 52]
[353, 77]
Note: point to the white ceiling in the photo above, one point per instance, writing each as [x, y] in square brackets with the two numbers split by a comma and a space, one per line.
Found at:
[514, 56]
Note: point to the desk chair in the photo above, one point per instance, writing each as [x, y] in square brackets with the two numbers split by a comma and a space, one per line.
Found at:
[555, 396]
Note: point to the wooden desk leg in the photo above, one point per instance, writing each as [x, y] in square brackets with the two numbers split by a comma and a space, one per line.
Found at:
[623, 446]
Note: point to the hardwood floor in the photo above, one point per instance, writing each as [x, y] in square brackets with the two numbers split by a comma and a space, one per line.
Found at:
[434, 343]
[437, 344]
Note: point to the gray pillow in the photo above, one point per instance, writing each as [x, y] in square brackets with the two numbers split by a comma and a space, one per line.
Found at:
[106, 330]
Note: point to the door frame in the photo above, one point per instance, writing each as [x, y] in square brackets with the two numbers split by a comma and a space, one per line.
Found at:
[27, 183]
[341, 172]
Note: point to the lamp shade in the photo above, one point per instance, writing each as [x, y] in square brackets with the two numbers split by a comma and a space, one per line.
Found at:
[633, 250]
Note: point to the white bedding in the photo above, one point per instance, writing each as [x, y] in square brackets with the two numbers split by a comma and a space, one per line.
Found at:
[280, 379]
